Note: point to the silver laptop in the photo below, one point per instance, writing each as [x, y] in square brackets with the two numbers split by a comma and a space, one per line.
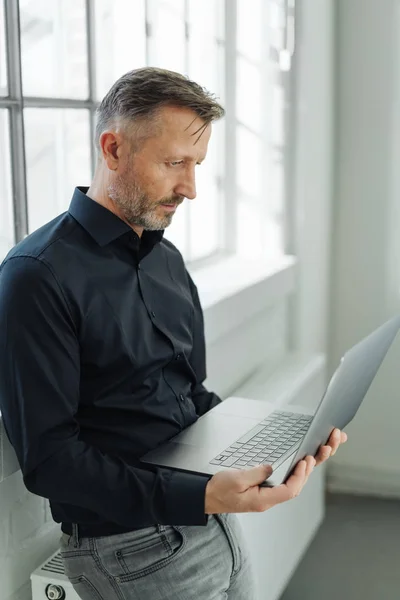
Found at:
[241, 433]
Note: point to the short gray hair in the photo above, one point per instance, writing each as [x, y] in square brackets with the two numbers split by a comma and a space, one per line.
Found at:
[136, 97]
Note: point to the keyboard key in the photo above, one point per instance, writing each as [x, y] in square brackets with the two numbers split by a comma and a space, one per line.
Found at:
[250, 434]
[229, 462]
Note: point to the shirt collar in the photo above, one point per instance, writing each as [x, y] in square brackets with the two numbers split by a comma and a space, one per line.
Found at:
[102, 224]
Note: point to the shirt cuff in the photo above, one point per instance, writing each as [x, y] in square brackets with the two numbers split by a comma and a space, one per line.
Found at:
[185, 499]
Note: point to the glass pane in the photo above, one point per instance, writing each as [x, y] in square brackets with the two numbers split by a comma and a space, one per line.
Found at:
[6, 208]
[205, 45]
[58, 160]
[204, 217]
[252, 202]
[206, 210]
[277, 23]
[249, 238]
[250, 29]
[249, 162]
[120, 42]
[177, 232]
[3, 62]
[249, 100]
[273, 222]
[167, 40]
[54, 41]
[277, 116]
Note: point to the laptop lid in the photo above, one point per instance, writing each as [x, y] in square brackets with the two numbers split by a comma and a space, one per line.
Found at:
[347, 388]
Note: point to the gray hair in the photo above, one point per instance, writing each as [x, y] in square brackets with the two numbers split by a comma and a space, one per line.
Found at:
[136, 97]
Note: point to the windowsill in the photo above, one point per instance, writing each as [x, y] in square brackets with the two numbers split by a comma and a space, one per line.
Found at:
[235, 289]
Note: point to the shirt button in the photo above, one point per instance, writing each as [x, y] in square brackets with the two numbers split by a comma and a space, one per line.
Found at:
[153, 314]
[139, 267]
[182, 398]
[178, 357]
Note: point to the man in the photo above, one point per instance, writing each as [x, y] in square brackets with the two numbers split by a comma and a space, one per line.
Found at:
[102, 358]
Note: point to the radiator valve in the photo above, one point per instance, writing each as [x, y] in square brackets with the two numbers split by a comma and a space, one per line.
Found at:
[55, 592]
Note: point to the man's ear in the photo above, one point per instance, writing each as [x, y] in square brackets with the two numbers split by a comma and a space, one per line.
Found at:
[110, 143]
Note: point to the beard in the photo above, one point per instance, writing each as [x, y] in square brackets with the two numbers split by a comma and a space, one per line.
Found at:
[136, 207]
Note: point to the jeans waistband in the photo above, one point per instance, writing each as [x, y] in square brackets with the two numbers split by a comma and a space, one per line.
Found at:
[97, 530]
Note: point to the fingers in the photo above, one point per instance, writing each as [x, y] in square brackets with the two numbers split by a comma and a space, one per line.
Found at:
[292, 488]
[336, 438]
[324, 453]
[255, 476]
[339, 437]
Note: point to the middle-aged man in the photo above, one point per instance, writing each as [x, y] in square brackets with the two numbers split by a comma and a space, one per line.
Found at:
[102, 358]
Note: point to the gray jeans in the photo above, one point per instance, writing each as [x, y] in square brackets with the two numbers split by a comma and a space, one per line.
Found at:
[162, 562]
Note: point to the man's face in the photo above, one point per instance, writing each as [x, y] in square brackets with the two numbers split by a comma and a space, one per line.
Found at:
[149, 185]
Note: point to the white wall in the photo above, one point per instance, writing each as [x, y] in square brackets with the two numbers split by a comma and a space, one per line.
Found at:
[366, 260]
[314, 155]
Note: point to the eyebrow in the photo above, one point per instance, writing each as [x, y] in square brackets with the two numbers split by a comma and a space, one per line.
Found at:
[190, 158]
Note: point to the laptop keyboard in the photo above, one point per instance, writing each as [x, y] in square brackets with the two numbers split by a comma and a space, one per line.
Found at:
[271, 441]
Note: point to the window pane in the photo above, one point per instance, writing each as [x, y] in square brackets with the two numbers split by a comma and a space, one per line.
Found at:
[261, 108]
[177, 232]
[206, 210]
[6, 209]
[120, 42]
[54, 43]
[167, 40]
[249, 162]
[252, 200]
[249, 100]
[250, 29]
[205, 45]
[3, 62]
[204, 217]
[58, 159]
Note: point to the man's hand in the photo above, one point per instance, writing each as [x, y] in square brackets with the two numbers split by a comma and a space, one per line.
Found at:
[238, 491]
[336, 438]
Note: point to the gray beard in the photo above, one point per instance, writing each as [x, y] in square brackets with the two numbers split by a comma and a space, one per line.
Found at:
[136, 207]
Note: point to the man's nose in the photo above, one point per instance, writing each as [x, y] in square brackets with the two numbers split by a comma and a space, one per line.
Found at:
[187, 186]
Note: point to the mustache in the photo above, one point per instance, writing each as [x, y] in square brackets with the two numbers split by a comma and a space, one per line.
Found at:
[174, 200]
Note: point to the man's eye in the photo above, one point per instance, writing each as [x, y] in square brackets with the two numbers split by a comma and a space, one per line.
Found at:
[175, 163]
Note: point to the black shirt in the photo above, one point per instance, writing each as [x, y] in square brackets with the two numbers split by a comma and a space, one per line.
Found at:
[102, 358]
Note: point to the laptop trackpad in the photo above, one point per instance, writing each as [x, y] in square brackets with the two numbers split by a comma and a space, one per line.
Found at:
[213, 429]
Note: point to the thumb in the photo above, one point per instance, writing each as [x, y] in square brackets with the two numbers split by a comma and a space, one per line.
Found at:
[256, 475]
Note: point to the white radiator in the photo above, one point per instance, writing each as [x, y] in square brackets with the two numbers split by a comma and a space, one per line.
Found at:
[278, 538]
[49, 581]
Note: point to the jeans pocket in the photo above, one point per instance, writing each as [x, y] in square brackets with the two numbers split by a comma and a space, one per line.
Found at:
[76, 563]
[142, 552]
[85, 589]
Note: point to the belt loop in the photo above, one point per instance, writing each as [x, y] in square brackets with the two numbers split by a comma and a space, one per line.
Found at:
[75, 535]
[160, 528]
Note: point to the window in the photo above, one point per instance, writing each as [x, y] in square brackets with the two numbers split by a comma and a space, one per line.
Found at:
[238, 49]
[57, 156]
[54, 40]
